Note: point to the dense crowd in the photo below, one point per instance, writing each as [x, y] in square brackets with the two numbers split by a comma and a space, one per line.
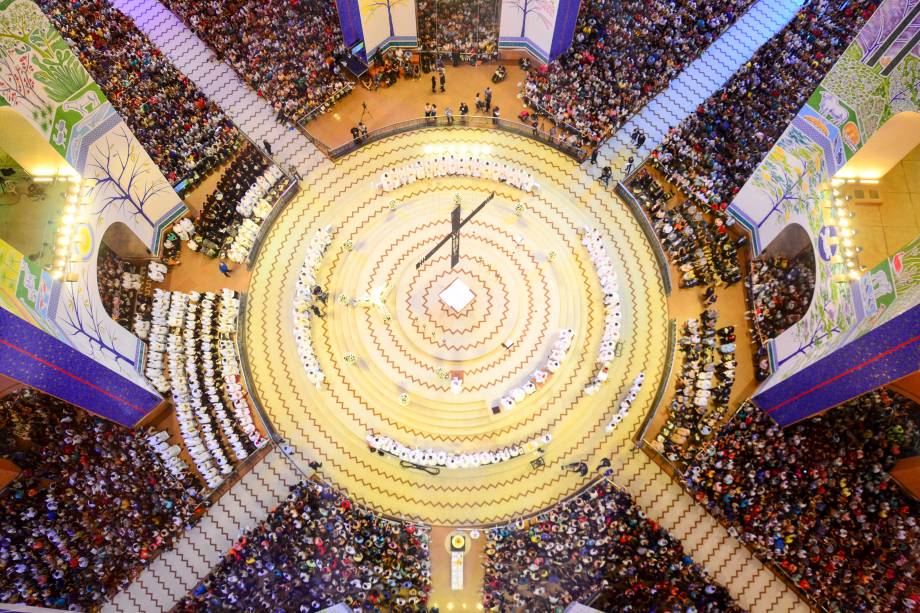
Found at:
[714, 150]
[314, 550]
[698, 242]
[94, 503]
[598, 542]
[816, 499]
[624, 53]
[780, 291]
[459, 26]
[179, 127]
[287, 50]
[221, 214]
[702, 389]
[122, 286]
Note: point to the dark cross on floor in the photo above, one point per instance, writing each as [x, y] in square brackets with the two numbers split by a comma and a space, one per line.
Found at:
[454, 237]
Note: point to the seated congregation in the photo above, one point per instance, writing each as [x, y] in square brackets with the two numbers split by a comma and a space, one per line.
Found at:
[711, 154]
[184, 132]
[623, 54]
[315, 550]
[816, 500]
[94, 504]
[599, 548]
[288, 51]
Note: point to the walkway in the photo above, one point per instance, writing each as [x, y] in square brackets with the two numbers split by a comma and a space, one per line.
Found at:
[161, 585]
[251, 113]
[697, 82]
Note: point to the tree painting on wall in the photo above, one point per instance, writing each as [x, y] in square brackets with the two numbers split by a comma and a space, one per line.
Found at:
[543, 9]
[372, 6]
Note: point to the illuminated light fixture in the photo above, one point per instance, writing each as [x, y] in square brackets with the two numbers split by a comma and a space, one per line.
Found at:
[68, 218]
[854, 274]
[57, 273]
[843, 222]
[60, 262]
[848, 243]
[42, 179]
[428, 149]
[63, 241]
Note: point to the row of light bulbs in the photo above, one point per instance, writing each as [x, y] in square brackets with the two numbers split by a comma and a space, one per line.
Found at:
[78, 195]
[847, 252]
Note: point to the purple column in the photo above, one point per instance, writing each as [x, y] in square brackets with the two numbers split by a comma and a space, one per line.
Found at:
[564, 29]
[36, 358]
[886, 353]
[350, 20]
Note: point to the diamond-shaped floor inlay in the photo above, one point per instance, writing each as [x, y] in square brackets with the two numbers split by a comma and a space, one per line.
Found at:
[457, 295]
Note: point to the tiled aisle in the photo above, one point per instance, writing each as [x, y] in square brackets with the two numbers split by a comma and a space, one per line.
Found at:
[254, 116]
[697, 82]
[173, 574]
[751, 583]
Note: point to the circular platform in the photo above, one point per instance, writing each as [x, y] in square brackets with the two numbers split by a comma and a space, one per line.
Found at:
[393, 334]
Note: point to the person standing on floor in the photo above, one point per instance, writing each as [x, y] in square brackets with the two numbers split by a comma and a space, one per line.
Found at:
[606, 173]
[434, 84]
[449, 113]
[495, 114]
[224, 269]
[488, 97]
[268, 147]
[443, 79]
[464, 111]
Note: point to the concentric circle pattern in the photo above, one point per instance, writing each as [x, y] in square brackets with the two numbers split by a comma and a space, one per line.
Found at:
[524, 276]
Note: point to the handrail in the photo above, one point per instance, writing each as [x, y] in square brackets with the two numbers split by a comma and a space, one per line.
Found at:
[639, 213]
[639, 438]
[247, 373]
[576, 152]
[286, 196]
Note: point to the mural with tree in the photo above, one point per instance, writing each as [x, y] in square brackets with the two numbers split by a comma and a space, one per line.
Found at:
[43, 81]
[373, 6]
[863, 90]
[542, 9]
[125, 181]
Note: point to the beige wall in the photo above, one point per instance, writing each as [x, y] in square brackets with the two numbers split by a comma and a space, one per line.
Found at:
[895, 219]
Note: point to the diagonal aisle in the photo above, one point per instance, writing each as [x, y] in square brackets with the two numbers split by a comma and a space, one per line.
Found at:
[172, 574]
[696, 83]
[251, 113]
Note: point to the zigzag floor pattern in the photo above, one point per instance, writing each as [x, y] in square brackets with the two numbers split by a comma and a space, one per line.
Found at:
[251, 113]
[696, 83]
[161, 585]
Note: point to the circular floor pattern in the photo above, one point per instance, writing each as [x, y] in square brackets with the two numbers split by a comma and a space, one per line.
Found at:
[525, 276]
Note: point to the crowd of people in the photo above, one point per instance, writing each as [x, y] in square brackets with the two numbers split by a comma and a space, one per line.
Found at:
[779, 291]
[624, 53]
[93, 505]
[597, 545]
[222, 213]
[122, 286]
[702, 389]
[815, 499]
[698, 242]
[465, 27]
[714, 150]
[183, 131]
[289, 51]
[315, 550]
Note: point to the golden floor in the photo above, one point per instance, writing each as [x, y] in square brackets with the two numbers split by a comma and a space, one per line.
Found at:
[522, 294]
